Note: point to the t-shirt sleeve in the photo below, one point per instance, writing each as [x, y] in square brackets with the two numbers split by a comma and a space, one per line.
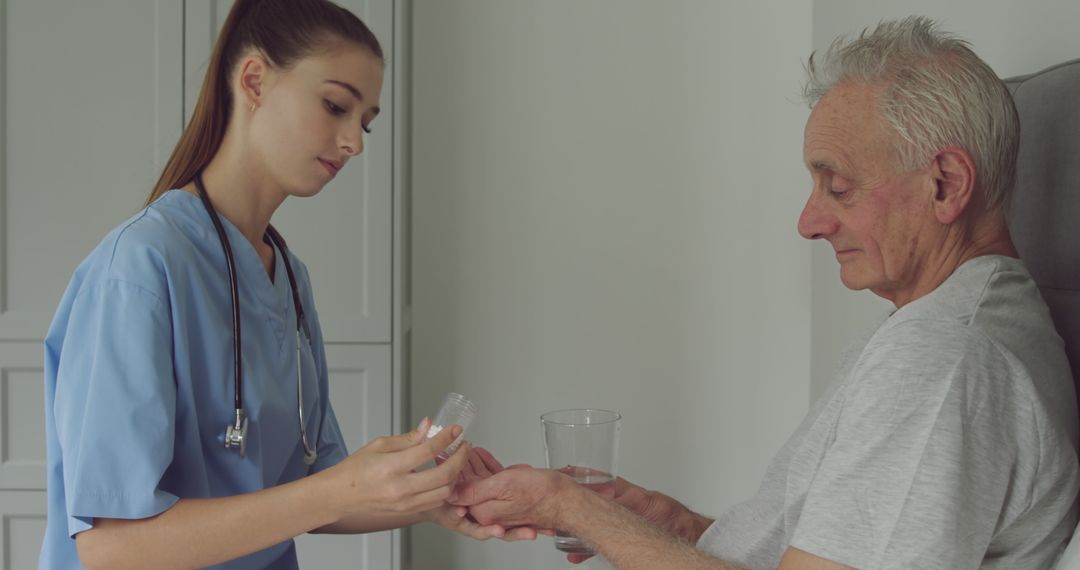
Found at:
[115, 404]
[918, 466]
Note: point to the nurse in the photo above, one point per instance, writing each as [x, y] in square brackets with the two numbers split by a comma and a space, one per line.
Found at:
[140, 380]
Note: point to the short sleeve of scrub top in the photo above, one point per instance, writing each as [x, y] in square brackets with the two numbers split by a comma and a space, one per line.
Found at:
[115, 403]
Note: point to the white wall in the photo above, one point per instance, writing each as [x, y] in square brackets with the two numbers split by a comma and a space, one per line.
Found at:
[1014, 37]
[605, 202]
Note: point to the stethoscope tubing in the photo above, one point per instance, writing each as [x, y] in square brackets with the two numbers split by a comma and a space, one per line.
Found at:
[310, 452]
[234, 290]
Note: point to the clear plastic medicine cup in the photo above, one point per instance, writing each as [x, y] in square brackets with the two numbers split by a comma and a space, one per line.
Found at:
[455, 409]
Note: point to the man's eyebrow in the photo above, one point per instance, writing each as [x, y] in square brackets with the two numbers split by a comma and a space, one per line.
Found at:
[822, 165]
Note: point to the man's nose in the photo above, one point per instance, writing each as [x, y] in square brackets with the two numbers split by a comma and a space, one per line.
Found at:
[815, 222]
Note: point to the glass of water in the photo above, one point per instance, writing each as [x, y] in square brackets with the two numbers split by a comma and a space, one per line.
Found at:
[585, 445]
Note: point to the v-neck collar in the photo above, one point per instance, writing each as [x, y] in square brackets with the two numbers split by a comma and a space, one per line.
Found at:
[274, 296]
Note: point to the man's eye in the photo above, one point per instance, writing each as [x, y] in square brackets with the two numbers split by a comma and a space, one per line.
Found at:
[332, 108]
[838, 194]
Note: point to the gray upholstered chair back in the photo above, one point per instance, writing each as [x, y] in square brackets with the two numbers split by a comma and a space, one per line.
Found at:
[1044, 217]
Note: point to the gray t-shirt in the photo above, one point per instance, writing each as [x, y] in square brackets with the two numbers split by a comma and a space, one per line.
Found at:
[947, 441]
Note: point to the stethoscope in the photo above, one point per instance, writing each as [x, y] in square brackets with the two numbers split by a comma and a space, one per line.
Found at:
[236, 434]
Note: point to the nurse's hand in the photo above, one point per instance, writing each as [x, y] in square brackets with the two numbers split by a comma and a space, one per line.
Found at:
[382, 478]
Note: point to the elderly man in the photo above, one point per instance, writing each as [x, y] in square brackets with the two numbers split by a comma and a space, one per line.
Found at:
[949, 438]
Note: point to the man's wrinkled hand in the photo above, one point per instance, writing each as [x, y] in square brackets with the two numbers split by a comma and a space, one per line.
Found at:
[518, 496]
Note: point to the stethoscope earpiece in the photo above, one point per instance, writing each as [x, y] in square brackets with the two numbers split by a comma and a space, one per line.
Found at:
[236, 433]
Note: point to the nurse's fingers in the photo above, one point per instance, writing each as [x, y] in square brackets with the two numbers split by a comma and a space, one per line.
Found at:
[445, 475]
[473, 529]
[431, 488]
[519, 533]
[391, 443]
[421, 430]
[425, 501]
[417, 455]
[420, 451]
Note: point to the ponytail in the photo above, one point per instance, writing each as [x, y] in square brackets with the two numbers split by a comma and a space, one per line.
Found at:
[283, 31]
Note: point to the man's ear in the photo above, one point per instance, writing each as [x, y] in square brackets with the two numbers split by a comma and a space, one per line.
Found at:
[952, 172]
[254, 70]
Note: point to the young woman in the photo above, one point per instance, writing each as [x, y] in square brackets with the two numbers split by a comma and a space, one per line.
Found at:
[186, 381]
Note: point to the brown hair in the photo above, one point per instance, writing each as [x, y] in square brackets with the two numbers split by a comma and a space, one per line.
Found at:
[283, 31]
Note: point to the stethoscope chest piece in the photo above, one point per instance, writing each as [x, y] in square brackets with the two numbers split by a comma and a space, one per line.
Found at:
[236, 433]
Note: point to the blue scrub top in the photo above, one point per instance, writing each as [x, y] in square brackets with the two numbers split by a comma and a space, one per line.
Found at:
[139, 379]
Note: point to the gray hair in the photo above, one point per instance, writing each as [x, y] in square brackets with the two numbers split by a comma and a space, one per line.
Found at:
[936, 93]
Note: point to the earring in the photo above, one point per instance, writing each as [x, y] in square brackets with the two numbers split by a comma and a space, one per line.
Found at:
[253, 107]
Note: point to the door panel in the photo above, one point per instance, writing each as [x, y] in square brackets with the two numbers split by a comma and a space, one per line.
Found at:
[22, 424]
[88, 119]
[22, 523]
[360, 389]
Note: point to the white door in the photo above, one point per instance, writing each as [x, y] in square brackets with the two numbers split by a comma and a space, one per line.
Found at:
[90, 107]
[358, 374]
